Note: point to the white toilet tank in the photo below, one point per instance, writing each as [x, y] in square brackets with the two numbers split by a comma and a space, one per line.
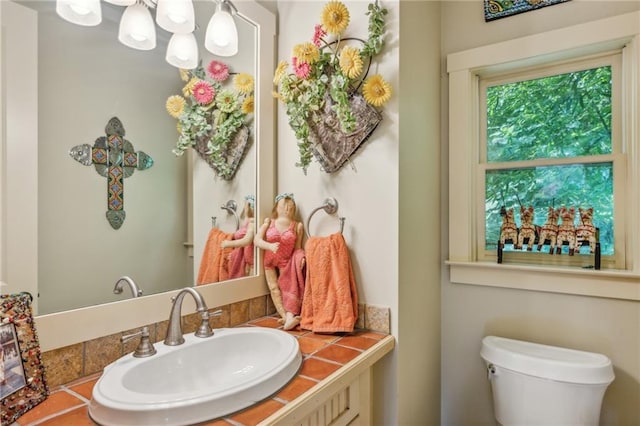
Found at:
[542, 385]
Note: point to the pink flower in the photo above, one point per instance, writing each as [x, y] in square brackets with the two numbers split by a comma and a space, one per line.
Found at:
[218, 71]
[318, 33]
[302, 69]
[203, 92]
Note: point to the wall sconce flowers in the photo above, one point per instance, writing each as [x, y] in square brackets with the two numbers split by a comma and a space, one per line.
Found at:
[330, 100]
[212, 118]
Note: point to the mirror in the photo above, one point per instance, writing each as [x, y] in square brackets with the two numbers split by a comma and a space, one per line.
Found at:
[56, 240]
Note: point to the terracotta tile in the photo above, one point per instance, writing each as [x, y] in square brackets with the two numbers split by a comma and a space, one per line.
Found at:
[258, 412]
[309, 345]
[337, 353]
[317, 369]
[324, 337]
[57, 401]
[270, 322]
[239, 313]
[295, 388]
[77, 417]
[215, 423]
[84, 389]
[357, 342]
[62, 365]
[371, 334]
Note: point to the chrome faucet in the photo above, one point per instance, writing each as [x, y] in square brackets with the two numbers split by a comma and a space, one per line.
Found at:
[134, 288]
[174, 331]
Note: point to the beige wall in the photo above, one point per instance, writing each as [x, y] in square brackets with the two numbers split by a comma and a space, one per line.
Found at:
[600, 325]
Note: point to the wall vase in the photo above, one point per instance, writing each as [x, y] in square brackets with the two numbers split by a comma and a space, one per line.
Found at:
[330, 145]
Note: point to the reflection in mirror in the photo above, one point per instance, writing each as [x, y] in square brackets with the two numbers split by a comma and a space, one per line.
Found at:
[58, 243]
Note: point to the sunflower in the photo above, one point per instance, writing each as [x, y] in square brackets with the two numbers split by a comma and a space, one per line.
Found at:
[335, 17]
[376, 91]
[280, 71]
[350, 62]
[184, 74]
[306, 52]
[175, 106]
[247, 105]
[187, 90]
[243, 83]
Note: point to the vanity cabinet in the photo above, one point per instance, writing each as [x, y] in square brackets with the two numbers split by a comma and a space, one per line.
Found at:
[343, 398]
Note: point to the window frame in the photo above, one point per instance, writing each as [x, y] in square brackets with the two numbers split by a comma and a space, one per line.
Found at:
[464, 68]
[616, 157]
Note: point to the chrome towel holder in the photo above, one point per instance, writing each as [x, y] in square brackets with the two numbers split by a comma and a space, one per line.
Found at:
[232, 208]
[330, 206]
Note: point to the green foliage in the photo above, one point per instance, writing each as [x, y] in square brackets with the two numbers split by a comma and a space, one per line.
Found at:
[562, 116]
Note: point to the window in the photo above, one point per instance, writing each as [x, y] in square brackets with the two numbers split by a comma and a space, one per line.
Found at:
[550, 137]
[520, 156]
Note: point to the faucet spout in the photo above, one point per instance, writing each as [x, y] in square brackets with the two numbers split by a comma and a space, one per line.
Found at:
[174, 330]
[126, 280]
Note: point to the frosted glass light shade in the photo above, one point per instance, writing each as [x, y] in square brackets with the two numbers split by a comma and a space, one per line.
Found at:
[221, 37]
[137, 29]
[176, 16]
[182, 51]
[80, 12]
[121, 2]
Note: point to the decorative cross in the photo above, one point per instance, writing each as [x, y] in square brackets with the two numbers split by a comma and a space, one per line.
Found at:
[114, 158]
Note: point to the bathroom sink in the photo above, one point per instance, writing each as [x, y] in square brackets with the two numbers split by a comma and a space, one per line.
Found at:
[202, 379]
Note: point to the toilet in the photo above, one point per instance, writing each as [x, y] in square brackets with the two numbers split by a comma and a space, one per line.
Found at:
[535, 384]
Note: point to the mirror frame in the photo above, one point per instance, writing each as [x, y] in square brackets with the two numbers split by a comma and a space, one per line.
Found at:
[65, 328]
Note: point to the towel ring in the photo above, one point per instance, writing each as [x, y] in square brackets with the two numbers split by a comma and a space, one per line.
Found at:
[232, 208]
[330, 206]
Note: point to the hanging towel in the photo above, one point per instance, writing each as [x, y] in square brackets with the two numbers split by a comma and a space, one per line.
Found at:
[214, 266]
[330, 302]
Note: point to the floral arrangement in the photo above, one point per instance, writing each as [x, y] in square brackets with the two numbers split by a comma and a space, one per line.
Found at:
[209, 113]
[330, 68]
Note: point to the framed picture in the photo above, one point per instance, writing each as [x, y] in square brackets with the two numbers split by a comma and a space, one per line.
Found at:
[22, 381]
[494, 9]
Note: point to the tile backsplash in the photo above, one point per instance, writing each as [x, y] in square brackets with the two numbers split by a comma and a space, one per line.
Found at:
[73, 362]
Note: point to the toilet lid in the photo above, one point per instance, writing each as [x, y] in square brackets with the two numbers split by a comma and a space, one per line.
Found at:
[549, 362]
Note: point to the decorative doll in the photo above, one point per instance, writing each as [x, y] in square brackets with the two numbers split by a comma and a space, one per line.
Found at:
[508, 230]
[284, 262]
[241, 257]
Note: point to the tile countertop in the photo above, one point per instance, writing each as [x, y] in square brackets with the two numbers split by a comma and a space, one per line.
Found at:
[323, 354]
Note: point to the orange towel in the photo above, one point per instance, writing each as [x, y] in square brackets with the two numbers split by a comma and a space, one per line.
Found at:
[214, 266]
[330, 302]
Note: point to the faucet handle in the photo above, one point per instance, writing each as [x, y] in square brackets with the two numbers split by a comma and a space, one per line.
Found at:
[144, 348]
[205, 329]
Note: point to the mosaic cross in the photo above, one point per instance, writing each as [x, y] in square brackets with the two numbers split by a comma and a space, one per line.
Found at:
[114, 158]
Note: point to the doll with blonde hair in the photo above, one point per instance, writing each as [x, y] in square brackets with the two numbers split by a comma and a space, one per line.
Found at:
[281, 238]
[241, 257]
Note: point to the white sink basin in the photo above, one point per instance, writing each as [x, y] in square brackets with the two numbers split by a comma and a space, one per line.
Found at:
[202, 379]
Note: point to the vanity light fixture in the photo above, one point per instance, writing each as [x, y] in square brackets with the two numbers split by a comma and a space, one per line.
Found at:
[137, 29]
[221, 37]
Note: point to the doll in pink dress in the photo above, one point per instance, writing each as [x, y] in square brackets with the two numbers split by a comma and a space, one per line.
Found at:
[241, 257]
[281, 238]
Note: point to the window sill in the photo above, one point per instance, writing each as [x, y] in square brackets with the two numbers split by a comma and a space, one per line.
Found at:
[613, 284]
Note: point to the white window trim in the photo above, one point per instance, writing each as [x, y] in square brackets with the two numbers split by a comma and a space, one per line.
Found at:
[562, 44]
